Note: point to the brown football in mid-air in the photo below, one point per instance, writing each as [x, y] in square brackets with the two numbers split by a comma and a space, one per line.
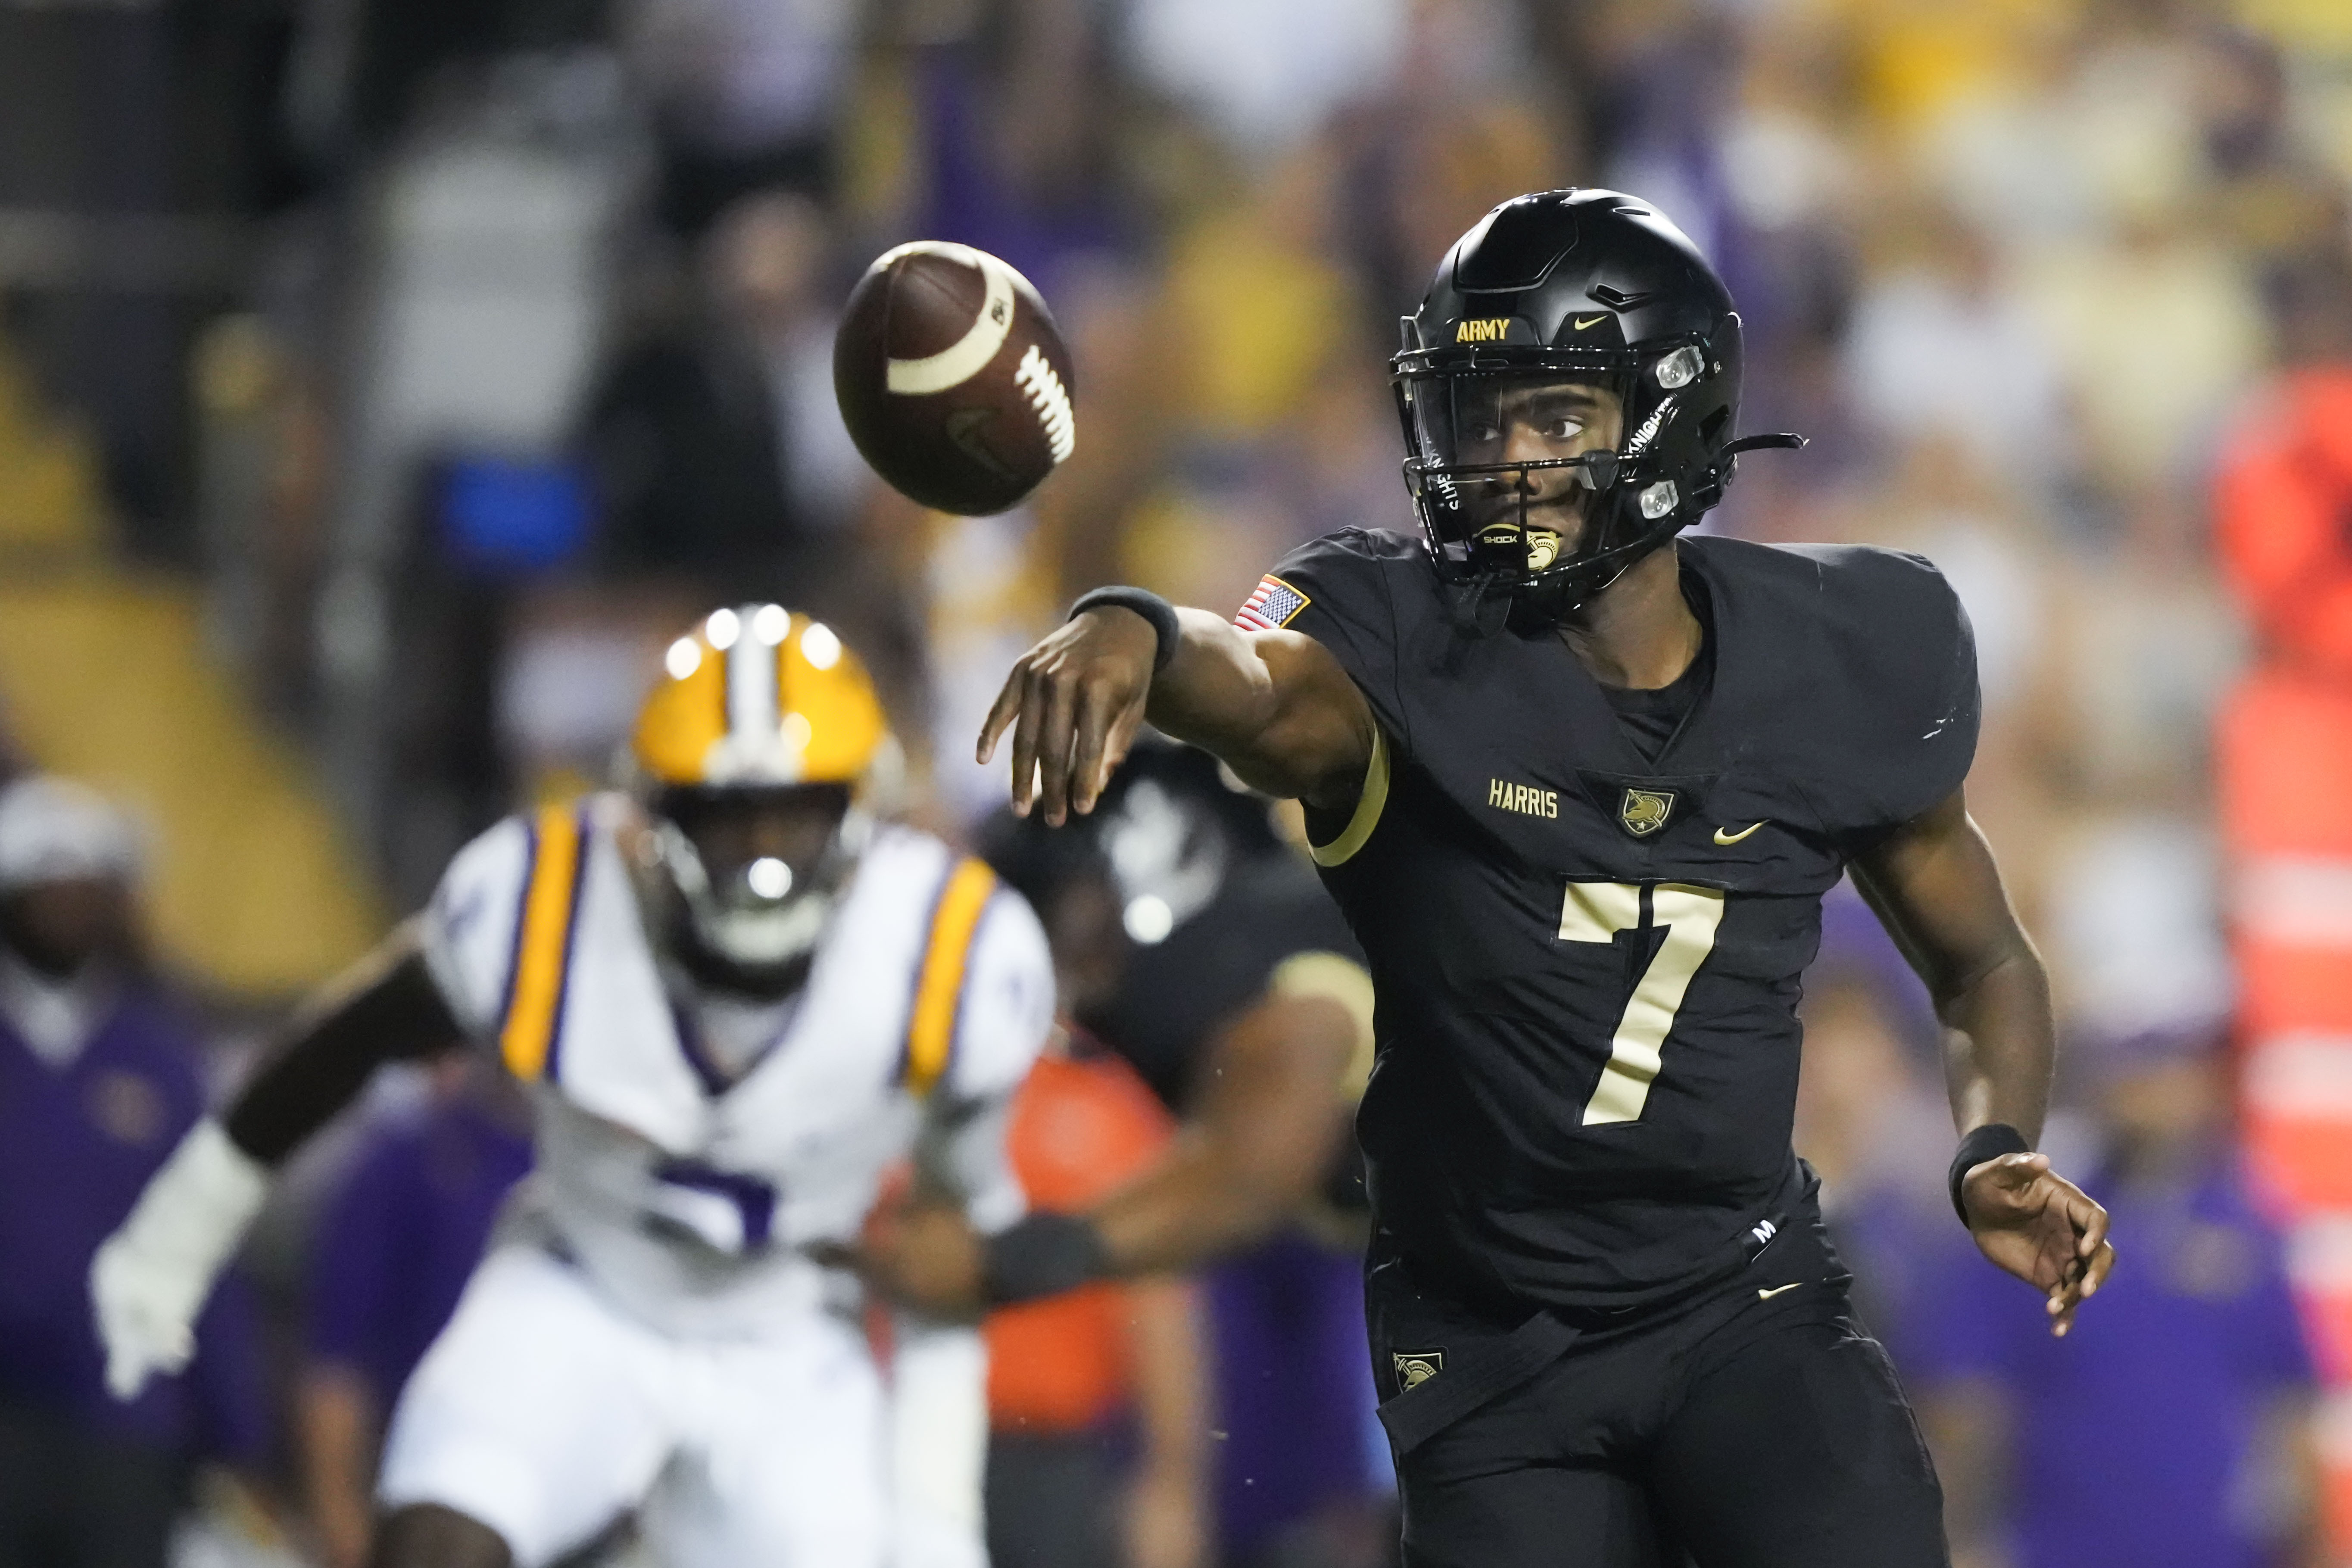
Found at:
[953, 378]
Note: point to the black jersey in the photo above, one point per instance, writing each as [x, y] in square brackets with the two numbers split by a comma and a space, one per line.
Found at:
[1178, 993]
[1587, 962]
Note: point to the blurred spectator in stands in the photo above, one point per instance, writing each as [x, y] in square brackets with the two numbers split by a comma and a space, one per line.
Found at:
[395, 1243]
[1077, 1383]
[1941, 345]
[1265, 77]
[745, 94]
[1262, 368]
[1868, 1112]
[2178, 1432]
[1017, 138]
[719, 456]
[99, 1080]
[1020, 141]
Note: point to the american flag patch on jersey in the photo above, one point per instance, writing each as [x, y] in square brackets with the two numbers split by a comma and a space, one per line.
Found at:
[1272, 607]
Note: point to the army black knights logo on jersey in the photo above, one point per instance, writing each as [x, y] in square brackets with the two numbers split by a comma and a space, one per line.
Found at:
[1643, 811]
[1587, 961]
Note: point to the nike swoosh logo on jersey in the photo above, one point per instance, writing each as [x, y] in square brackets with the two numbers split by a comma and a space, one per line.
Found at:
[1776, 1290]
[1723, 837]
[1584, 322]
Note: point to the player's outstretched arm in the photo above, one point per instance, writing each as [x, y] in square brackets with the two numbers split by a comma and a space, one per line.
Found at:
[1936, 886]
[149, 1278]
[1273, 1116]
[1274, 706]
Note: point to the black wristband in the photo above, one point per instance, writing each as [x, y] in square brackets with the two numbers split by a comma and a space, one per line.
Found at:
[1144, 602]
[1989, 1142]
[1043, 1255]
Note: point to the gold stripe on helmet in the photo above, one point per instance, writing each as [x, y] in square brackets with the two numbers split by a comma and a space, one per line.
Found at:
[724, 712]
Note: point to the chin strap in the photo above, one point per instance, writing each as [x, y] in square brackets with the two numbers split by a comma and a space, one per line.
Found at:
[1473, 605]
[1481, 606]
[1785, 440]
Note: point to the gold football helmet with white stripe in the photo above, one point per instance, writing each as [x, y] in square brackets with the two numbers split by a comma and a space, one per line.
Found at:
[759, 757]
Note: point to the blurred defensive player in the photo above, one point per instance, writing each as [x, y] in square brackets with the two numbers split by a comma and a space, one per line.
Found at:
[1244, 1006]
[1578, 791]
[739, 1001]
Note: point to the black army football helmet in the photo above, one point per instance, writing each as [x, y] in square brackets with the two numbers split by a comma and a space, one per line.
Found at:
[1585, 287]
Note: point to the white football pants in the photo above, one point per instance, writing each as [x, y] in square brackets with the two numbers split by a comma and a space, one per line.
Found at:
[544, 1413]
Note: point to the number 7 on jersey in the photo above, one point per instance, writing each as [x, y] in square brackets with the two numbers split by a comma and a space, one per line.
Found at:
[1597, 911]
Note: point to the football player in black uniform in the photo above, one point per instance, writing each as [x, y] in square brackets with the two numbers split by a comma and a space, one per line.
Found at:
[1579, 788]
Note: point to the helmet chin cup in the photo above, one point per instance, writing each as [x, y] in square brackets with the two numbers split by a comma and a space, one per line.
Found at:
[763, 938]
[1511, 554]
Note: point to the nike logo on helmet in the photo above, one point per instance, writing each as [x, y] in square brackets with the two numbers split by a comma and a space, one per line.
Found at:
[1584, 322]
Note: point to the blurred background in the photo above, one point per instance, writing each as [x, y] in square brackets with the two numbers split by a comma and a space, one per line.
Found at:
[383, 383]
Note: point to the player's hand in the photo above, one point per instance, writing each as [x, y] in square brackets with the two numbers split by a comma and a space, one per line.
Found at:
[1073, 703]
[149, 1278]
[2041, 1228]
[924, 1256]
[146, 1308]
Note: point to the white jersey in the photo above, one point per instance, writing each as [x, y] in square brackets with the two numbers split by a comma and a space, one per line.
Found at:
[688, 1197]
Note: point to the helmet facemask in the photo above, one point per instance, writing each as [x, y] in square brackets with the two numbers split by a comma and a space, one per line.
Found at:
[1511, 498]
[756, 873]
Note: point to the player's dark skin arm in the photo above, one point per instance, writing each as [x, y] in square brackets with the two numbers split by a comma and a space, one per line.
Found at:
[428, 1535]
[1936, 886]
[383, 1008]
[1271, 1118]
[1274, 706]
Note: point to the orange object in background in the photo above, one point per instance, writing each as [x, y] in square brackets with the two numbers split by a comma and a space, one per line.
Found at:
[2283, 753]
[2282, 504]
[1082, 1125]
[2284, 745]
[2283, 500]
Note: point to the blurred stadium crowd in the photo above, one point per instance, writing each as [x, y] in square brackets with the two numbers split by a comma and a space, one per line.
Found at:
[382, 385]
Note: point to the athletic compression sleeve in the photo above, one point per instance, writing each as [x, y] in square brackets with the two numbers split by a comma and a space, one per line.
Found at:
[387, 1010]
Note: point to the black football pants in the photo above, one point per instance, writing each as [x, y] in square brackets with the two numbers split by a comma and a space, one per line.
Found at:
[1750, 1430]
[73, 1498]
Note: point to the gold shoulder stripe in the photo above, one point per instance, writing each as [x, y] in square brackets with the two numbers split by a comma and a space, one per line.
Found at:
[938, 987]
[542, 944]
[1368, 808]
